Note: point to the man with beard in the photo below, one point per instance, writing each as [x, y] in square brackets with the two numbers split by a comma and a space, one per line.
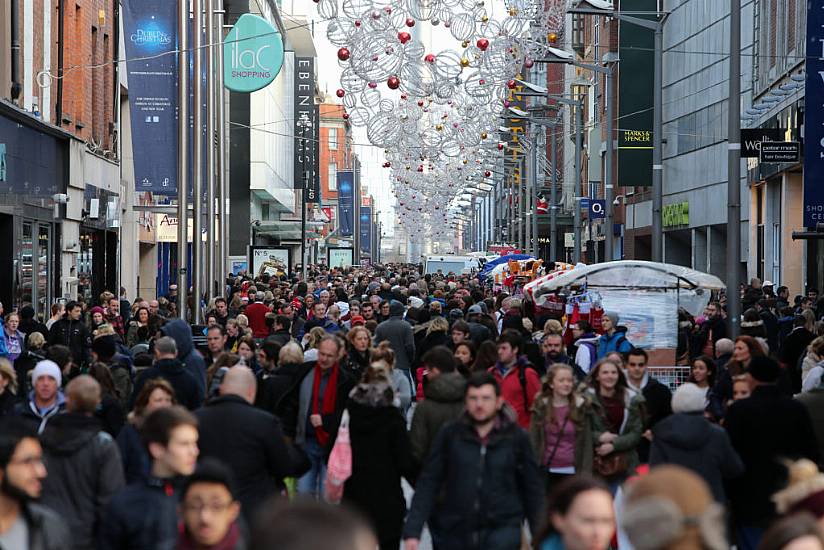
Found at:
[23, 524]
[480, 503]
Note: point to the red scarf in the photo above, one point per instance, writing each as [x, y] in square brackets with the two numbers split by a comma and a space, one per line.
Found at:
[330, 393]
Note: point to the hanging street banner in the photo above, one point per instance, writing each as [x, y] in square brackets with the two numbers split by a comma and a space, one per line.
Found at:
[814, 118]
[304, 125]
[150, 34]
[346, 202]
[313, 185]
[252, 54]
[635, 139]
[366, 230]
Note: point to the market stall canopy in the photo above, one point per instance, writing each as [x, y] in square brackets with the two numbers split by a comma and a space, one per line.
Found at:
[489, 266]
[630, 274]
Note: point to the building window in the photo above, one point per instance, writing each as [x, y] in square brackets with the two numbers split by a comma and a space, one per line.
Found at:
[333, 139]
[333, 177]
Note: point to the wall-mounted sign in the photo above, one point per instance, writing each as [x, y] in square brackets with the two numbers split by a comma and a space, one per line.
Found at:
[252, 53]
[340, 257]
[270, 260]
[814, 118]
[597, 209]
[752, 138]
[780, 151]
[677, 214]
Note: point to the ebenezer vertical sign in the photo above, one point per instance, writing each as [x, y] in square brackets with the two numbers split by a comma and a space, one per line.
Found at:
[814, 118]
[305, 126]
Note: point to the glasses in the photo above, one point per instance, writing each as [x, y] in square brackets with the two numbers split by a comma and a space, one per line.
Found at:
[28, 461]
[211, 507]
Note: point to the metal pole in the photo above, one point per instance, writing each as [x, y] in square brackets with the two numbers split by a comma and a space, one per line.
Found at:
[182, 156]
[210, 160]
[223, 233]
[579, 107]
[553, 200]
[197, 160]
[734, 173]
[608, 94]
[519, 206]
[303, 220]
[533, 189]
[657, 150]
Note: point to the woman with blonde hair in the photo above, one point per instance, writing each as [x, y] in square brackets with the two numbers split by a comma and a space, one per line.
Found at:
[556, 426]
[400, 383]
[359, 340]
[243, 325]
[8, 387]
[436, 335]
[313, 338]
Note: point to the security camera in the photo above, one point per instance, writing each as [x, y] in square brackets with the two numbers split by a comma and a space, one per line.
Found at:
[60, 198]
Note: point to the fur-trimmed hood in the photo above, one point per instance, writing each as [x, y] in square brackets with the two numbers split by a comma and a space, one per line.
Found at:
[375, 394]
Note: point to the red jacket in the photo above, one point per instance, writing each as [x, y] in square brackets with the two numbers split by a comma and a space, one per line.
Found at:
[257, 319]
[513, 391]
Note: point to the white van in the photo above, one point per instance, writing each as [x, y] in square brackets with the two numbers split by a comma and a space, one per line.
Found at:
[446, 263]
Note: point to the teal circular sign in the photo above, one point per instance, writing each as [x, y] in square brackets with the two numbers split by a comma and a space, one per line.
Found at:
[252, 54]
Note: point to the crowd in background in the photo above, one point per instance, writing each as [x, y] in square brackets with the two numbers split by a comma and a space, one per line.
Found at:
[125, 426]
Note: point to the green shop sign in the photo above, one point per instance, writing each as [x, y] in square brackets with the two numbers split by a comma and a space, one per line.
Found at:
[252, 54]
[674, 215]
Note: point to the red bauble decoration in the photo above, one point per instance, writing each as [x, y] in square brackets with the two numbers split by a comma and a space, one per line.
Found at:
[357, 23]
[420, 103]
[340, 92]
[487, 173]
[511, 84]
[345, 116]
[343, 54]
[404, 37]
[386, 165]
[482, 82]
[372, 85]
[410, 22]
[430, 58]
[500, 147]
[482, 44]
[393, 82]
[528, 63]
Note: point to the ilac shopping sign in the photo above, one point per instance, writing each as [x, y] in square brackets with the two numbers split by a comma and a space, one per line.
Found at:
[252, 54]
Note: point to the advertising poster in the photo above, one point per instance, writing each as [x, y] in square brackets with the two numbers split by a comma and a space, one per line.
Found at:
[271, 260]
[304, 113]
[150, 34]
[340, 257]
[346, 202]
[652, 326]
[366, 230]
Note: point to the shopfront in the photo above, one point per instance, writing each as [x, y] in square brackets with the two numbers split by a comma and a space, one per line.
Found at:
[33, 172]
[97, 260]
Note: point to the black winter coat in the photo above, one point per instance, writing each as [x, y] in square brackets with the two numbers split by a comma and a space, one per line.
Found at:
[488, 488]
[251, 443]
[691, 441]
[84, 473]
[764, 429]
[187, 391]
[436, 338]
[657, 406]
[135, 457]
[74, 335]
[141, 516]
[186, 352]
[273, 395]
[380, 457]
[792, 350]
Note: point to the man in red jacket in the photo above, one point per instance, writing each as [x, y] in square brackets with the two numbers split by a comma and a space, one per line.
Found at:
[256, 312]
[518, 378]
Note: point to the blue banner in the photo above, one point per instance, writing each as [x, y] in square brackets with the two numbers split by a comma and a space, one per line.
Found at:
[150, 28]
[814, 118]
[346, 202]
[366, 230]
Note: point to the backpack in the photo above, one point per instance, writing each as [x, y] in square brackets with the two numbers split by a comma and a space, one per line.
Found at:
[593, 354]
[522, 379]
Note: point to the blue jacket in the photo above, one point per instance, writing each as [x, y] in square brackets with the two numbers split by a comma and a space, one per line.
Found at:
[617, 342]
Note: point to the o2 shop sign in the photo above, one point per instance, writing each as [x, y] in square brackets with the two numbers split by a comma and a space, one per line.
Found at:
[252, 54]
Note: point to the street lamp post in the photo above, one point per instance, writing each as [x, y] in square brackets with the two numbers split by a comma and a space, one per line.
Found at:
[182, 156]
